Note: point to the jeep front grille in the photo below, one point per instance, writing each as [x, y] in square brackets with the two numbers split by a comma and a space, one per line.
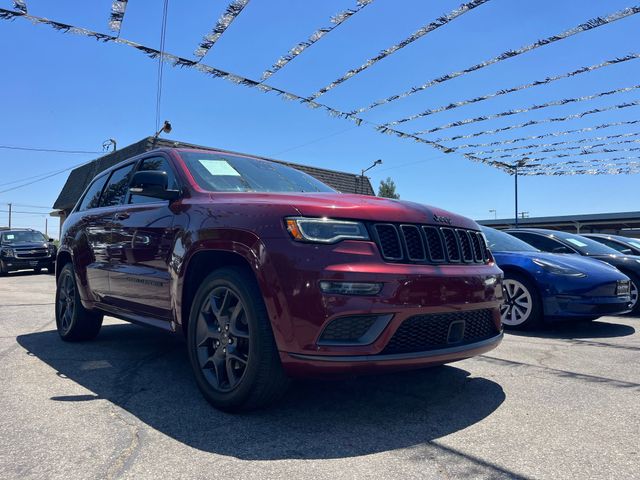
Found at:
[406, 243]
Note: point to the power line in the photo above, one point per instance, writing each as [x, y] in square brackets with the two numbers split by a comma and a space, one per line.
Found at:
[43, 178]
[48, 150]
[29, 206]
[163, 34]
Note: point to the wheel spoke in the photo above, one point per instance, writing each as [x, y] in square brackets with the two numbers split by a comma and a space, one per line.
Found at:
[235, 326]
[218, 310]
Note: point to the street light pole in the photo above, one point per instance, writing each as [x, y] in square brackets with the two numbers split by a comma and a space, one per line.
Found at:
[364, 170]
[9, 215]
[519, 163]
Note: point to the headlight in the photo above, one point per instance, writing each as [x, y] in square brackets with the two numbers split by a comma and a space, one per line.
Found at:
[558, 269]
[8, 252]
[325, 230]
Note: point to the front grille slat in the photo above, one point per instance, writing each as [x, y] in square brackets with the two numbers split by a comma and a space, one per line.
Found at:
[433, 331]
[31, 252]
[403, 243]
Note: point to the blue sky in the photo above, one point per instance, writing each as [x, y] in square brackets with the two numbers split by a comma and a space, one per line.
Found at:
[70, 92]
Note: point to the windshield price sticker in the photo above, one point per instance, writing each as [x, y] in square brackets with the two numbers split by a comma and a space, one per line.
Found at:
[577, 243]
[219, 168]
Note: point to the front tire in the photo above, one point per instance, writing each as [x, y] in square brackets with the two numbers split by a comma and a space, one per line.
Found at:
[635, 287]
[522, 307]
[3, 269]
[74, 322]
[231, 346]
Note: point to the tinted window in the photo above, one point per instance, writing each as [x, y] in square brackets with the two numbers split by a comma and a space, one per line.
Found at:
[543, 243]
[585, 245]
[22, 236]
[92, 198]
[227, 173]
[615, 245]
[158, 164]
[117, 187]
[503, 242]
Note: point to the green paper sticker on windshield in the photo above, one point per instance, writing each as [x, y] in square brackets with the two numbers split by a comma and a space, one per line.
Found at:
[219, 168]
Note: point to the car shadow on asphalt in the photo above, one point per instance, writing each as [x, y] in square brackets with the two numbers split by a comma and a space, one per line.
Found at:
[147, 373]
[577, 329]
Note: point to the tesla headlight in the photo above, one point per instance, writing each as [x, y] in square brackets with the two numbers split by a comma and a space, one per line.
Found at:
[325, 230]
[558, 269]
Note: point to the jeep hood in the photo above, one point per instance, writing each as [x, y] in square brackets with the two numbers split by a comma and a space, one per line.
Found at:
[354, 207]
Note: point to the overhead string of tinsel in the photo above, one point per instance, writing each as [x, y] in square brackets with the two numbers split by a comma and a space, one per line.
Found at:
[550, 134]
[20, 5]
[230, 14]
[118, 8]
[540, 106]
[546, 148]
[437, 23]
[591, 165]
[565, 155]
[177, 61]
[546, 81]
[550, 147]
[336, 21]
[605, 169]
[584, 27]
[538, 122]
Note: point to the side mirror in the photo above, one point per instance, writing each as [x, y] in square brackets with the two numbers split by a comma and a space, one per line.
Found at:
[152, 183]
[561, 250]
[51, 240]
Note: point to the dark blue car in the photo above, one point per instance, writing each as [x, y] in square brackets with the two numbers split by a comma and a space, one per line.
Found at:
[543, 286]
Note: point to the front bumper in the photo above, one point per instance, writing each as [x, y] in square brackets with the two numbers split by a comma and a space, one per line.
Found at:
[572, 306]
[13, 264]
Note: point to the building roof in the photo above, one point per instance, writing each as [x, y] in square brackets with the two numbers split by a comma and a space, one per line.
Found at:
[593, 222]
[80, 177]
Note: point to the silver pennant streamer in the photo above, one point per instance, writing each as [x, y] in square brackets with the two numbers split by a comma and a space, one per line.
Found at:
[118, 8]
[439, 22]
[589, 25]
[20, 5]
[546, 135]
[230, 14]
[177, 61]
[565, 155]
[561, 149]
[568, 142]
[538, 122]
[337, 20]
[572, 166]
[451, 106]
[508, 113]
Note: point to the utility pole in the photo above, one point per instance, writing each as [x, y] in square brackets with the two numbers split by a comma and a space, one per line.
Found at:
[9, 215]
[495, 215]
[46, 227]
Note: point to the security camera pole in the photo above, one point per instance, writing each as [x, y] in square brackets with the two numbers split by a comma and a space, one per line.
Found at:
[166, 128]
[377, 162]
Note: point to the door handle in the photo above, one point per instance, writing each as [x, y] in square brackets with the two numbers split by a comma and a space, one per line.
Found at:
[121, 216]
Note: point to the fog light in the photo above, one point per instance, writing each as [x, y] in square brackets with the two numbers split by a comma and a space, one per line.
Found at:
[350, 288]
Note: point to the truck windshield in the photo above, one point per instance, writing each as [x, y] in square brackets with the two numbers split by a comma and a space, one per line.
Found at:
[21, 236]
[228, 173]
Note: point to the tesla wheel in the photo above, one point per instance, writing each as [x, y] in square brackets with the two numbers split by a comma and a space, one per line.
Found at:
[231, 346]
[74, 322]
[635, 284]
[522, 308]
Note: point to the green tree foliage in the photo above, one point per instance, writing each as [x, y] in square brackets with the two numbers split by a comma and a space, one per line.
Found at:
[387, 189]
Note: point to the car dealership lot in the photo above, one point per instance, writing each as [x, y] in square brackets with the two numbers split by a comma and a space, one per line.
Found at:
[563, 403]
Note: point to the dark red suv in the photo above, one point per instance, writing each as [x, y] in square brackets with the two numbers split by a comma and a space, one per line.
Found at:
[271, 274]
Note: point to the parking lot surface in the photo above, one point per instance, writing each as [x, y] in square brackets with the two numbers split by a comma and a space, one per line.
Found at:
[562, 403]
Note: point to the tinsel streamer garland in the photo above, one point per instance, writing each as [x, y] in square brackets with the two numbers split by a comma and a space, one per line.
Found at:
[439, 22]
[538, 122]
[551, 134]
[565, 155]
[20, 5]
[451, 106]
[337, 20]
[560, 149]
[230, 14]
[540, 106]
[568, 142]
[629, 169]
[573, 165]
[177, 61]
[589, 25]
[118, 7]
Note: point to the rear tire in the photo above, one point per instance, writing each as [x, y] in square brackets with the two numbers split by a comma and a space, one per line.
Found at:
[231, 346]
[522, 307]
[74, 322]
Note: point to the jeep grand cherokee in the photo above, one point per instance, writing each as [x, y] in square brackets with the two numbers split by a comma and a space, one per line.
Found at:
[271, 274]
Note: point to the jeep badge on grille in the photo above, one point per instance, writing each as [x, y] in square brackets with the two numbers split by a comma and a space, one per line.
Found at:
[441, 219]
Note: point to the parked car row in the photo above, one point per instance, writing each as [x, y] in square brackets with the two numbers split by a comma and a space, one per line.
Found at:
[270, 274]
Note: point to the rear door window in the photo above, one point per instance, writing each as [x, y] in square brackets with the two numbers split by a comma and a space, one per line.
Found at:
[117, 187]
[92, 198]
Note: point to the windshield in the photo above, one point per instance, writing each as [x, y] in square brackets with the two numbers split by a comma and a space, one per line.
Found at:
[226, 173]
[503, 242]
[584, 245]
[22, 236]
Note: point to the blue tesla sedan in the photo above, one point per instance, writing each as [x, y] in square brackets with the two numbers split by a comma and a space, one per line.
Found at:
[540, 286]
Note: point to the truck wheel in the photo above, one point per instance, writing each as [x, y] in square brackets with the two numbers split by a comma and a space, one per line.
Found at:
[75, 323]
[3, 269]
[231, 346]
[522, 307]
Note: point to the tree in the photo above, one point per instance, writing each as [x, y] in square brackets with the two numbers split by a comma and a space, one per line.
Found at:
[387, 189]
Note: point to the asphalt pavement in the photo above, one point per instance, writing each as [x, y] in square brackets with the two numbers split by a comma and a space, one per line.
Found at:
[557, 404]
